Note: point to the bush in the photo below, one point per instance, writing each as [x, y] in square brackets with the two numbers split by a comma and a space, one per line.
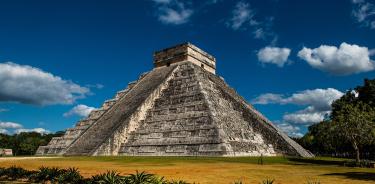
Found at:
[178, 182]
[2, 172]
[140, 178]
[72, 176]
[45, 174]
[110, 177]
[268, 181]
[13, 173]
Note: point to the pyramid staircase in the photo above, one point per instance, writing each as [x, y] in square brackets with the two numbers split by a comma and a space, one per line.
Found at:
[58, 145]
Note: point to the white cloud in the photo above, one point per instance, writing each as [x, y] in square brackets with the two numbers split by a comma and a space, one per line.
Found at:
[268, 98]
[292, 131]
[171, 16]
[320, 99]
[274, 55]
[345, 60]
[9, 125]
[259, 33]
[38, 130]
[243, 17]
[318, 102]
[364, 13]
[307, 116]
[79, 110]
[3, 131]
[29, 85]
[173, 11]
[240, 15]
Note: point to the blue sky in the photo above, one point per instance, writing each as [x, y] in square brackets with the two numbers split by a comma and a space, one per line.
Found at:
[290, 58]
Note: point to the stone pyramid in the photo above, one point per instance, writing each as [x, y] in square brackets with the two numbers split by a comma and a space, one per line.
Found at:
[180, 108]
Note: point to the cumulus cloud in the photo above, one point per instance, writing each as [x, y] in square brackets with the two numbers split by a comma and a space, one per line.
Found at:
[173, 11]
[243, 18]
[364, 13]
[79, 110]
[9, 125]
[30, 85]
[306, 116]
[318, 102]
[37, 130]
[320, 99]
[274, 55]
[3, 131]
[292, 131]
[345, 60]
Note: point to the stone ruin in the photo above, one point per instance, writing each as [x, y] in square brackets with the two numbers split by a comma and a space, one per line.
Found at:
[180, 108]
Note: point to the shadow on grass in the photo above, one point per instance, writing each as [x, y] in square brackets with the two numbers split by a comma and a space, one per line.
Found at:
[366, 176]
[304, 161]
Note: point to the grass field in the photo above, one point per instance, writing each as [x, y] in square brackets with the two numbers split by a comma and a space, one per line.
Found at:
[212, 170]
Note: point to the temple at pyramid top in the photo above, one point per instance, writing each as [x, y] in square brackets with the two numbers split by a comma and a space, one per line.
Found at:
[185, 52]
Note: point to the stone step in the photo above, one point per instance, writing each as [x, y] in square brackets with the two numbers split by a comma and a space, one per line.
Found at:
[96, 114]
[108, 104]
[173, 141]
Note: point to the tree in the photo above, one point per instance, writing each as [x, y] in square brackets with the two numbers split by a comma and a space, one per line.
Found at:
[26, 143]
[356, 123]
[366, 93]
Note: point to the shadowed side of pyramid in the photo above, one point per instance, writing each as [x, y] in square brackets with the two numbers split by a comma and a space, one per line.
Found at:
[247, 128]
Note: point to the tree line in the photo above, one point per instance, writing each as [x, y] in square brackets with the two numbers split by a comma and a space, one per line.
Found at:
[349, 131]
[26, 143]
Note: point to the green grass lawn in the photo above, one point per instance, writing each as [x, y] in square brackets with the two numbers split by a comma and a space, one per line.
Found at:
[213, 169]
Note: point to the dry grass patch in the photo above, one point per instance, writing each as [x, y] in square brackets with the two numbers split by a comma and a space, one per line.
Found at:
[212, 170]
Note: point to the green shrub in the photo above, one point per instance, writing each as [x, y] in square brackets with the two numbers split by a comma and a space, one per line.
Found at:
[141, 178]
[70, 176]
[159, 180]
[177, 182]
[268, 181]
[2, 172]
[14, 173]
[45, 174]
[110, 177]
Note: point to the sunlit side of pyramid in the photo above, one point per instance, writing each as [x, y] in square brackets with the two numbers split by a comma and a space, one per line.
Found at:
[180, 108]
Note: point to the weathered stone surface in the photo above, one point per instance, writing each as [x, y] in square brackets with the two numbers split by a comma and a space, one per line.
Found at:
[58, 145]
[182, 109]
[99, 138]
